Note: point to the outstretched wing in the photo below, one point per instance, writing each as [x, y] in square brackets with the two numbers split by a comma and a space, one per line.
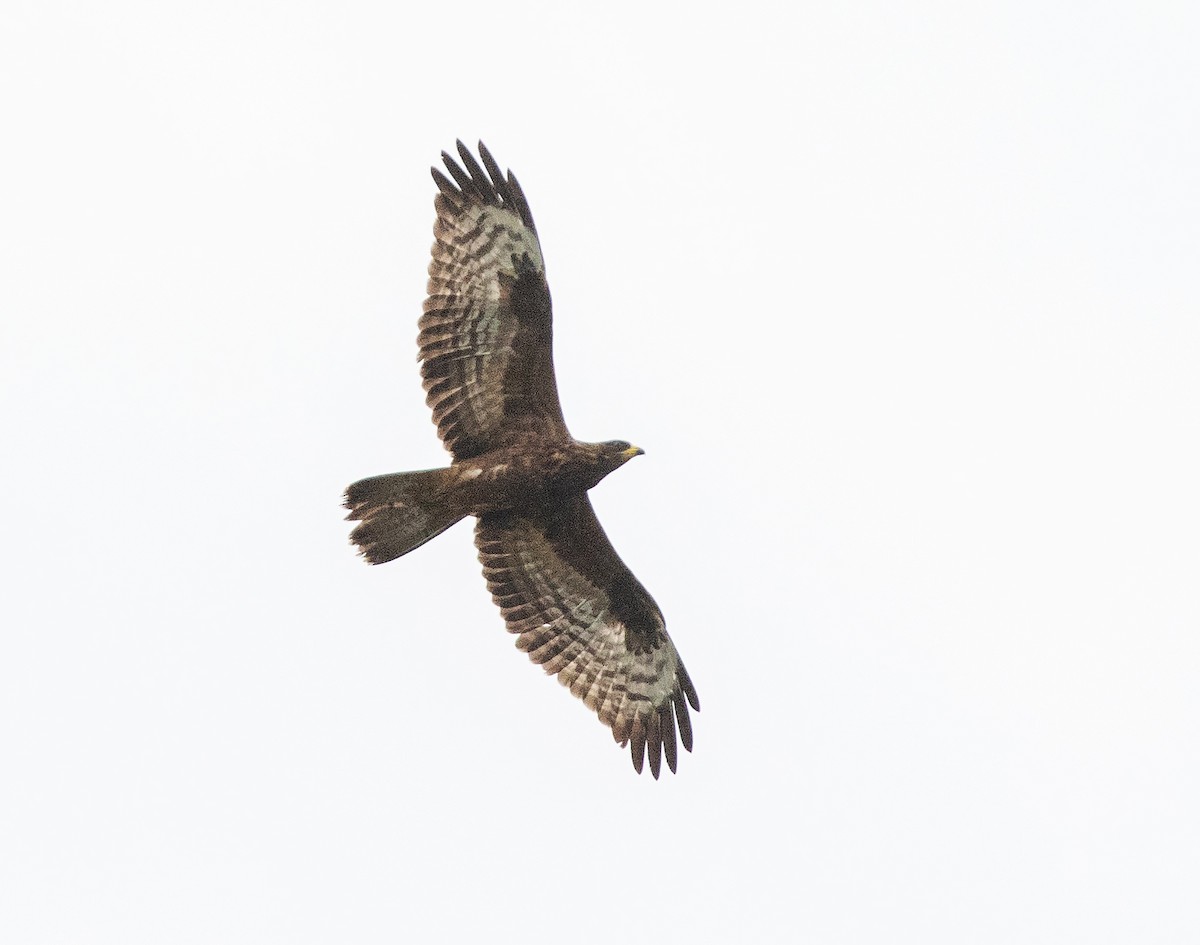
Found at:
[485, 334]
[580, 613]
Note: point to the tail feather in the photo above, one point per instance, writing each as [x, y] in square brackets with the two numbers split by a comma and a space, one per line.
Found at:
[399, 512]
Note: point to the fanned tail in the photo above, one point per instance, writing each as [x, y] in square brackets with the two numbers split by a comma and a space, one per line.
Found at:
[399, 512]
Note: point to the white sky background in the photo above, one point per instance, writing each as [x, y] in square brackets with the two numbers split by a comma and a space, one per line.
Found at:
[900, 299]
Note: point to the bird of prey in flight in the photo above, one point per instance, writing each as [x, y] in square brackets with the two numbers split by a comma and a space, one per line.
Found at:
[485, 353]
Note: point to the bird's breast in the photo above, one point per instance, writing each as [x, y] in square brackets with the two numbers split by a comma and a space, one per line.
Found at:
[518, 478]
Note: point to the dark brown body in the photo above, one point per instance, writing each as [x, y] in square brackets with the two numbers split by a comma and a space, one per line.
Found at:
[527, 478]
[402, 511]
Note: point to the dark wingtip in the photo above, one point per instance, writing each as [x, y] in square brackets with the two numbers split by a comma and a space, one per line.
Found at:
[497, 176]
[486, 183]
[668, 736]
[685, 682]
[654, 744]
[444, 186]
[684, 721]
[637, 749]
[481, 180]
[520, 203]
[461, 177]
[464, 155]
[654, 737]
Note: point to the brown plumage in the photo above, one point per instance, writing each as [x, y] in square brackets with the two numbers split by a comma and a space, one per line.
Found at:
[485, 352]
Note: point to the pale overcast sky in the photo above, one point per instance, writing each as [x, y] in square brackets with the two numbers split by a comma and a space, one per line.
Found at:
[901, 300]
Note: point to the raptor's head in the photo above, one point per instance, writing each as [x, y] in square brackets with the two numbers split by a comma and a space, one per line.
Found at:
[619, 452]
